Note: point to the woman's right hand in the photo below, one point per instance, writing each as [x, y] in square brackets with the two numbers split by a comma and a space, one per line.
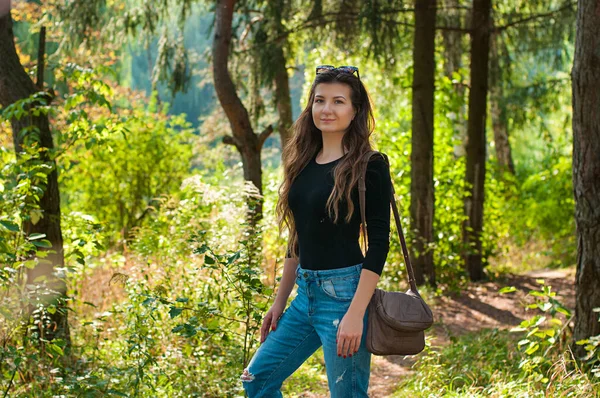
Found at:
[270, 320]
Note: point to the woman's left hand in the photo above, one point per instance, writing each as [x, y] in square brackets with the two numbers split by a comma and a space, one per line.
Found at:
[349, 334]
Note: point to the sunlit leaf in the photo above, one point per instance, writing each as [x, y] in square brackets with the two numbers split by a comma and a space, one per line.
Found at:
[507, 289]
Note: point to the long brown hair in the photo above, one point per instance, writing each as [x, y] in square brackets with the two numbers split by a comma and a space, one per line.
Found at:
[306, 142]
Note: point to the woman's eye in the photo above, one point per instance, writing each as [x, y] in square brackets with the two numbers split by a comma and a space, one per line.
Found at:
[318, 101]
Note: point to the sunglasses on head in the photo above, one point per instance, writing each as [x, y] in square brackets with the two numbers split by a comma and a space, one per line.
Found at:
[343, 69]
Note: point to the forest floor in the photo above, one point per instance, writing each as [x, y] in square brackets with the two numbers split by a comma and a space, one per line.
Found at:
[475, 308]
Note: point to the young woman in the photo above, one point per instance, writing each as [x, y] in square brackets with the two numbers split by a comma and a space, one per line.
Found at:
[318, 203]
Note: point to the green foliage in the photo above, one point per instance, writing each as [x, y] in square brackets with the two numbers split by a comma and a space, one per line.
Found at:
[24, 307]
[591, 345]
[449, 171]
[151, 152]
[216, 317]
[536, 213]
[494, 363]
[542, 334]
[485, 364]
[191, 311]
[28, 306]
[546, 204]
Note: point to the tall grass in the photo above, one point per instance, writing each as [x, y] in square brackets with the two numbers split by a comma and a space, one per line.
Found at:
[486, 364]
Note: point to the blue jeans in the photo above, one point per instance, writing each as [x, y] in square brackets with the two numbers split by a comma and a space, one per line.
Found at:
[311, 320]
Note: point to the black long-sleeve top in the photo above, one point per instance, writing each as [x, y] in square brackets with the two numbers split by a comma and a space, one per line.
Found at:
[325, 245]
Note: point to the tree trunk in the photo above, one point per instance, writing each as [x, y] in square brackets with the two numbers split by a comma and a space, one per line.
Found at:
[421, 185]
[452, 39]
[586, 169]
[275, 19]
[16, 85]
[498, 111]
[248, 144]
[282, 97]
[476, 141]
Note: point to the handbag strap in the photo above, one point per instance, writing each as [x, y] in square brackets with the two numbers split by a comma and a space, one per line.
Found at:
[362, 188]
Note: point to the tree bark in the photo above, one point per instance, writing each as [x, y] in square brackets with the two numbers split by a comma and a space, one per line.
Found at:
[586, 169]
[452, 40]
[421, 185]
[16, 85]
[248, 144]
[275, 12]
[476, 141]
[282, 97]
[498, 111]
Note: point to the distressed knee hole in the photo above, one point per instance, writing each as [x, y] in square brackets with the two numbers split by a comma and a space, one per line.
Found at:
[247, 376]
[340, 377]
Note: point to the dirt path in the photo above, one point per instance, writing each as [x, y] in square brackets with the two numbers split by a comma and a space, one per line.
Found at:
[480, 306]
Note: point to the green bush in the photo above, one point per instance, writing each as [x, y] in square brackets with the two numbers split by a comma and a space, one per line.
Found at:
[121, 179]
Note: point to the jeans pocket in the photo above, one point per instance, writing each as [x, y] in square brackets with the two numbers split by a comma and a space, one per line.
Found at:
[341, 289]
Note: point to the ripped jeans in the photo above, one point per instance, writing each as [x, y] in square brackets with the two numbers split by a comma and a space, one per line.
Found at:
[310, 321]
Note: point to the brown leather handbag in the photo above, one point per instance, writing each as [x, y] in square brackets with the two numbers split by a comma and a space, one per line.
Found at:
[397, 320]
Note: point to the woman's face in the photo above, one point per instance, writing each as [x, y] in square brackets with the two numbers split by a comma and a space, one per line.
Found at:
[332, 109]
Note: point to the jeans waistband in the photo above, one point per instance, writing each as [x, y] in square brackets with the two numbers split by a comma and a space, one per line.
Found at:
[310, 274]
